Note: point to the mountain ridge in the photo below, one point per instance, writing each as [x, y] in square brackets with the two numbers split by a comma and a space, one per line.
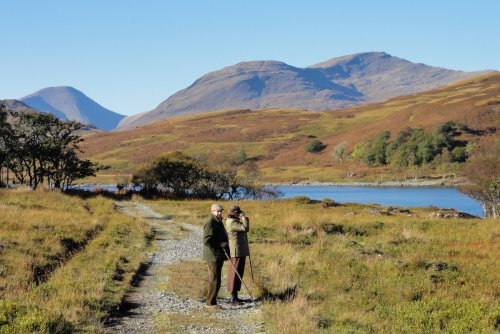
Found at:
[336, 83]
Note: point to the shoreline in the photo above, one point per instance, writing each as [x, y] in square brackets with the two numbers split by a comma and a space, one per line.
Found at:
[416, 184]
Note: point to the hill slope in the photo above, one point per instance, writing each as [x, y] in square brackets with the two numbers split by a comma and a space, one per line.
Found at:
[69, 103]
[16, 105]
[336, 83]
[275, 139]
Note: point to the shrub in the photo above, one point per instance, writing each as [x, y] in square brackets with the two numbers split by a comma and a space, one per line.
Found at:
[315, 146]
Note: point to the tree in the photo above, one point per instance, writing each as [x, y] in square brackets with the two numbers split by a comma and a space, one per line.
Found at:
[374, 152]
[414, 147]
[176, 173]
[359, 151]
[180, 176]
[379, 147]
[5, 141]
[72, 168]
[483, 171]
[42, 148]
[459, 154]
[339, 153]
[444, 135]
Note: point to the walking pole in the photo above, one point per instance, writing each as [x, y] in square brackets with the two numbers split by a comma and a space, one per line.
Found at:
[251, 267]
[236, 271]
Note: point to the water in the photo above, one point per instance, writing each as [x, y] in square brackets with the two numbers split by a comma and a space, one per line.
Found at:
[393, 196]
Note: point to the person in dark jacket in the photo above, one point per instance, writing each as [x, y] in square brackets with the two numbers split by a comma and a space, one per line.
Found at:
[215, 242]
[237, 226]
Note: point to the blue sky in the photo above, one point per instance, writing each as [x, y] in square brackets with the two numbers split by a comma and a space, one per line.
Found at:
[129, 56]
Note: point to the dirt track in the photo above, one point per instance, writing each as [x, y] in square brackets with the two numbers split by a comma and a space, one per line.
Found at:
[146, 303]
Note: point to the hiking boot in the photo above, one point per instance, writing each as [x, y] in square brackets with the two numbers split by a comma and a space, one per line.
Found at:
[235, 300]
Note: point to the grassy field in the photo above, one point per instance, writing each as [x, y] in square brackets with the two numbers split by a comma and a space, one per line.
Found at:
[276, 139]
[323, 268]
[64, 262]
[319, 267]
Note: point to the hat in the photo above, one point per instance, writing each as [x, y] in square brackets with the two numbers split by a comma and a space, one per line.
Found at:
[216, 207]
[235, 210]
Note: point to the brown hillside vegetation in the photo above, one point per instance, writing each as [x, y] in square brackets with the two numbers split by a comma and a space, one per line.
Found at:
[276, 138]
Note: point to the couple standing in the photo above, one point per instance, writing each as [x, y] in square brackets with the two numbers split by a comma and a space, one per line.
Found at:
[221, 242]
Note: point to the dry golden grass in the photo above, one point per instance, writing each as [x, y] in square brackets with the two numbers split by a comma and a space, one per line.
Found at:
[64, 262]
[196, 271]
[347, 269]
[46, 229]
[276, 138]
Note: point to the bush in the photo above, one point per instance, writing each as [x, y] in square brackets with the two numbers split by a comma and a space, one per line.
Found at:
[315, 146]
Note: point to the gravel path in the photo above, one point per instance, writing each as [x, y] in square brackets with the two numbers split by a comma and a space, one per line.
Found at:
[145, 302]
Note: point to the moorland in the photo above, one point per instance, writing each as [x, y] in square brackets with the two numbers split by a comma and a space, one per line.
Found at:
[275, 140]
[319, 266]
[65, 263]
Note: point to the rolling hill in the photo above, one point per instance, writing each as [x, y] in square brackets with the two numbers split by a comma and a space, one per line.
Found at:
[275, 139]
[69, 103]
[336, 83]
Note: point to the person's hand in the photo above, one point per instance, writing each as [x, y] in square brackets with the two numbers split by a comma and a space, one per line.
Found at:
[242, 214]
[223, 244]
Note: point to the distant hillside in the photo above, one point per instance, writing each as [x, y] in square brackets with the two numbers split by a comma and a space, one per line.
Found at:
[275, 139]
[380, 76]
[69, 103]
[16, 105]
[13, 105]
[336, 83]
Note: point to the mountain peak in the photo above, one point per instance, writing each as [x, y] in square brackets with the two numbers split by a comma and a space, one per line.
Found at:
[67, 102]
[354, 58]
[363, 64]
[259, 64]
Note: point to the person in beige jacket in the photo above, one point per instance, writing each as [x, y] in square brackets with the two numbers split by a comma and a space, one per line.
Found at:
[237, 226]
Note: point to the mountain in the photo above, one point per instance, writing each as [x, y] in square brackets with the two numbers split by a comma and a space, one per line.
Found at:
[16, 105]
[336, 83]
[69, 103]
[380, 76]
[274, 140]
